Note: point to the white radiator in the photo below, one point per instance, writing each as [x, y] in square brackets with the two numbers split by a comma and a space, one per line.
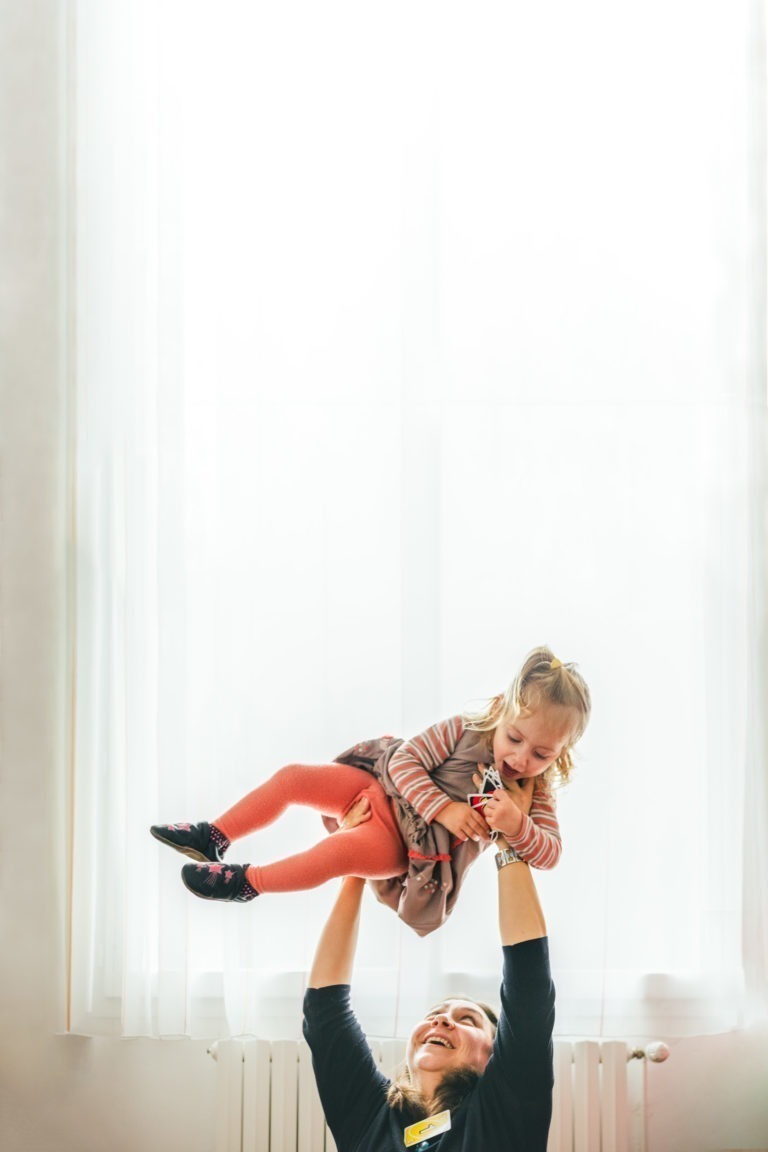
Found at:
[268, 1102]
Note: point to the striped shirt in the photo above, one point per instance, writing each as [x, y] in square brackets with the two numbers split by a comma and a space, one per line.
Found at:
[538, 841]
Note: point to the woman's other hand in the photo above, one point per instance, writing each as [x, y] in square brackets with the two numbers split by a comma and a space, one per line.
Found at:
[357, 814]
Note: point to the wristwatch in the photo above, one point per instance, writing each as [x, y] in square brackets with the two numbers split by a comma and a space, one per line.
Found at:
[507, 856]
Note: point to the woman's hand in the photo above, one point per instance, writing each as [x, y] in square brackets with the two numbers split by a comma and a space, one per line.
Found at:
[357, 814]
[463, 821]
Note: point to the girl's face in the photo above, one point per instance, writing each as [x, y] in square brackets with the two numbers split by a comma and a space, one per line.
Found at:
[525, 746]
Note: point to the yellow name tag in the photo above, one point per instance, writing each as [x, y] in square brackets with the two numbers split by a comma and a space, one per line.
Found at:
[426, 1129]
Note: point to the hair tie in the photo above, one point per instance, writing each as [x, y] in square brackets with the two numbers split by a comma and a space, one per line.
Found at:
[555, 663]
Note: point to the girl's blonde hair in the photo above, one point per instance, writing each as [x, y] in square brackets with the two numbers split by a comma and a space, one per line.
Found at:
[543, 679]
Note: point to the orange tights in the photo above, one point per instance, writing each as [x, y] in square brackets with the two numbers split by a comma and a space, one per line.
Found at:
[373, 849]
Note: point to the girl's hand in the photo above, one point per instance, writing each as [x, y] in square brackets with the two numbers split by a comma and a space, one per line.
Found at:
[464, 822]
[506, 805]
[357, 814]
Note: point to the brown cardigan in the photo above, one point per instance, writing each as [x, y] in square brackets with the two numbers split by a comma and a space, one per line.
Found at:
[424, 896]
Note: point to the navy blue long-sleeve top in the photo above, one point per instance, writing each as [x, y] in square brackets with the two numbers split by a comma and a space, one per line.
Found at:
[509, 1109]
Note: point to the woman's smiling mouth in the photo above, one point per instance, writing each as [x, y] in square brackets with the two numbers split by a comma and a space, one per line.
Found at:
[434, 1038]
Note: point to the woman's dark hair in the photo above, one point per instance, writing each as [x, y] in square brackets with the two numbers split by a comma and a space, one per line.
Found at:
[454, 1088]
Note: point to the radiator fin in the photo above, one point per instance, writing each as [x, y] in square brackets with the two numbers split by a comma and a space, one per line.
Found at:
[561, 1128]
[257, 1093]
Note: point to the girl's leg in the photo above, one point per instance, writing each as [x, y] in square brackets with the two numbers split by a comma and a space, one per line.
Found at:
[374, 849]
[329, 788]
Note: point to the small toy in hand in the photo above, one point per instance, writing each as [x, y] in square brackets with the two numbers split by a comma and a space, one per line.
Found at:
[491, 781]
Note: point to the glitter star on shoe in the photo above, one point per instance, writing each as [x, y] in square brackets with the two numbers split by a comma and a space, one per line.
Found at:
[198, 841]
[218, 882]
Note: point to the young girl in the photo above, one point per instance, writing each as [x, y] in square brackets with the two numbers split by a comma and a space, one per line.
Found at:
[399, 810]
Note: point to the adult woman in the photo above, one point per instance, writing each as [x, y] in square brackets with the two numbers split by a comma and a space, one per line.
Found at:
[495, 1083]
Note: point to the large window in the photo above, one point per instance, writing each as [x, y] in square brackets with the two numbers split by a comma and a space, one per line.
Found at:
[411, 336]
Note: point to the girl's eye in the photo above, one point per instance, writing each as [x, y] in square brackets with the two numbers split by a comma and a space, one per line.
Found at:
[541, 756]
[513, 739]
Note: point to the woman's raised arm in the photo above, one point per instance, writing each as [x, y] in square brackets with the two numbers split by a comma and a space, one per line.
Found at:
[520, 914]
[335, 953]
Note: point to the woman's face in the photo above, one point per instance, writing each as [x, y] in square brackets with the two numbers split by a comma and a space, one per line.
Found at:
[455, 1034]
[525, 746]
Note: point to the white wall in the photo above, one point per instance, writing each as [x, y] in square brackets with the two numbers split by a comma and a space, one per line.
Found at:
[76, 1094]
[67, 1093]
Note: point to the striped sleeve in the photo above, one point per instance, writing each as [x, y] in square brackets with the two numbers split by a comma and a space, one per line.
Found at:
[410, 766]
[538, 840]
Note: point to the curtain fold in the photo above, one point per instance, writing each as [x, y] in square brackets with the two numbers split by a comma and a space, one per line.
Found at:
[405, 345]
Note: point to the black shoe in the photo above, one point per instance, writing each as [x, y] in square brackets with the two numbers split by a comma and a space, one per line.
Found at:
[218, 881]
[194, 840]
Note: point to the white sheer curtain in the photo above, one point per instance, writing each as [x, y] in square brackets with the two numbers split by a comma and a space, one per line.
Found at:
[411, 336]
